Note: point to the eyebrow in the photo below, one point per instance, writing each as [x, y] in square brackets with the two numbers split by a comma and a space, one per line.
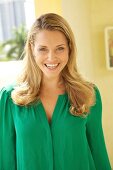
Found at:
[43, 46]
[60, 45]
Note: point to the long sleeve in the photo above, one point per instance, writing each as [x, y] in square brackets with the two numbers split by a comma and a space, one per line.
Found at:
[7, 133]
[95, 135]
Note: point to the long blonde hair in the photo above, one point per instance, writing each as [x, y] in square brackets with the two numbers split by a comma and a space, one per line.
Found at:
[80, 92]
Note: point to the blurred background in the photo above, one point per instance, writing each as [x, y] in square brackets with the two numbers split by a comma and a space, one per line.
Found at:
[88, 19]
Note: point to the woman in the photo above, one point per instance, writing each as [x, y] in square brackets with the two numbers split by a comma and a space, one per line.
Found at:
[51, 118]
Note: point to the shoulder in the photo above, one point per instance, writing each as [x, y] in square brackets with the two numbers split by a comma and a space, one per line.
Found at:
[6, 100]
[97, 91]
[97, 95]
[6, 107]
[96, 109]
[6, 91]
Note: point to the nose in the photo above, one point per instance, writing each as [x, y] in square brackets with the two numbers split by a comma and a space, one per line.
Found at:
[51, 55]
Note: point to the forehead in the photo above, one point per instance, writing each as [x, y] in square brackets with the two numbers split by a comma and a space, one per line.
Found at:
[46, 37]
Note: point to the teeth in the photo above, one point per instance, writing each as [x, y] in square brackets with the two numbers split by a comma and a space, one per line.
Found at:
[51, 65]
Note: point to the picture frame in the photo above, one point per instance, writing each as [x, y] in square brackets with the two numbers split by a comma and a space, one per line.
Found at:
[109, 47]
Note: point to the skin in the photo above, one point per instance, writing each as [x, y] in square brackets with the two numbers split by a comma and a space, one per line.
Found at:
[51, 54]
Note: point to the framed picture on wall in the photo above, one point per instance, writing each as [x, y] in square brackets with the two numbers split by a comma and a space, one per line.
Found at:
[109, 47]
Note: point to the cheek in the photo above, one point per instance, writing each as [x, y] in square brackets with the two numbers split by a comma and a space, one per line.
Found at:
[65, 58]
[38, 60]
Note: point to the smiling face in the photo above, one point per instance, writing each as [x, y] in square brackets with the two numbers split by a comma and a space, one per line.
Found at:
[51, 52]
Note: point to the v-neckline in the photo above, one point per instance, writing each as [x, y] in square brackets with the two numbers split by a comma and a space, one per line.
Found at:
[55, 113]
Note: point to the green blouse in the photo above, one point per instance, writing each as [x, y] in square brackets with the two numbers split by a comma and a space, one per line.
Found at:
[29, 142]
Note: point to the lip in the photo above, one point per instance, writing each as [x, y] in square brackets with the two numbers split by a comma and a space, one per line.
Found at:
[51, 66]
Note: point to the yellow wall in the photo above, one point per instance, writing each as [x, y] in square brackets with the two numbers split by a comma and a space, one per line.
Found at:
[102, 17]
[79, 17]
[88, 19]
[45, 6]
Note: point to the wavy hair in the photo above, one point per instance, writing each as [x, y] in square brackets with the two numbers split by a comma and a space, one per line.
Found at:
[80, 92]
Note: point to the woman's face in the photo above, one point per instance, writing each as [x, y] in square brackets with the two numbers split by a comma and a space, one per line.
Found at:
[51, 52]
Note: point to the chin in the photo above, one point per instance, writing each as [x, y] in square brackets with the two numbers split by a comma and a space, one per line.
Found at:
[51, 75]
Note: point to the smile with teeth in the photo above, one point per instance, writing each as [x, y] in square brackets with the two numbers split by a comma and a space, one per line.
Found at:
[51, 66]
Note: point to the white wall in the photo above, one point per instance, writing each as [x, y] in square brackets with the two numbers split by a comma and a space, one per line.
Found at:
[8, 72]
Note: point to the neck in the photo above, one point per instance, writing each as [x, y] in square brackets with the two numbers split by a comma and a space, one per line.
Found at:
[52, 85]
[51, 82]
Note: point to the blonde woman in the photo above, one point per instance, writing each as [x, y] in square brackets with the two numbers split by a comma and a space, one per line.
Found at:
[51, 118]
